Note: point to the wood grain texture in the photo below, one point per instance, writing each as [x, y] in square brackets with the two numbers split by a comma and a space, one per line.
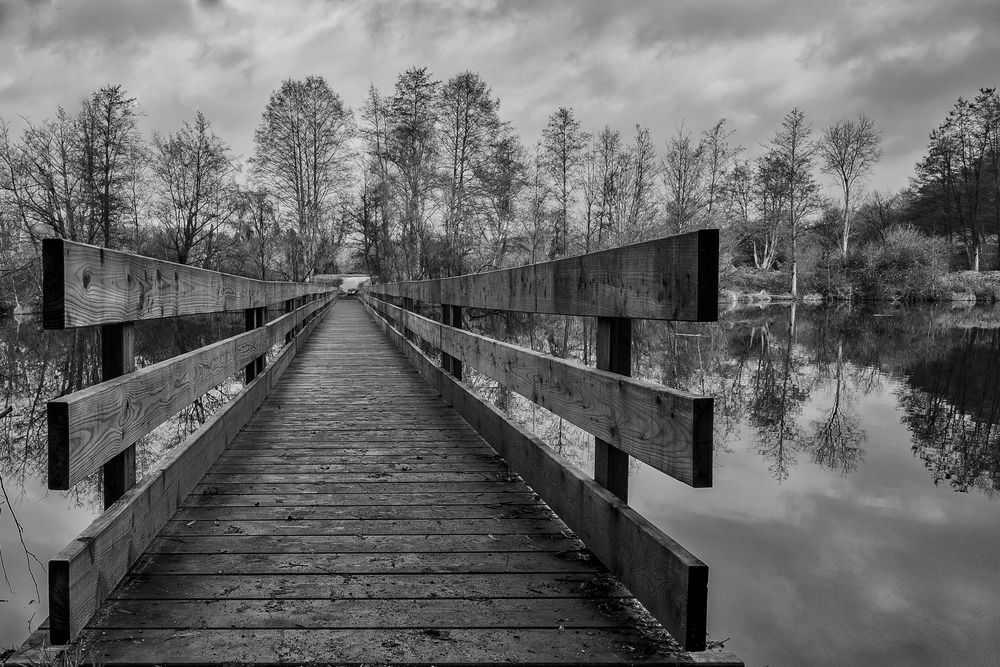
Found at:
[90, 426]
[83, 574]
[390, 572]
[118, 358]
[667, 429]
[670, 581]
[379, 564]
[674, 278]
[614, 354]
[425, 646]
[363, 613]
[387, 586]
[84, 285]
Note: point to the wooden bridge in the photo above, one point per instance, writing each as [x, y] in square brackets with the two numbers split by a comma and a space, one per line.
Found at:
[359, 503]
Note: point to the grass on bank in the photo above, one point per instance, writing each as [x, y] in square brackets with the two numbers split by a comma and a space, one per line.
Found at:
[905, 265]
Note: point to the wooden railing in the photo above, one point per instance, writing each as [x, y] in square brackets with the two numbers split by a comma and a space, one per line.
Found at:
[95, 429]
[675, 278]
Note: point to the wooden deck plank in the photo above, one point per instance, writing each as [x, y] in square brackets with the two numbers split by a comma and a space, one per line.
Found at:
[303, 526]
[283, 544]
[376, 485]
[371, 586]
[317, 464]
[294, 498]
[363, 512]
[361, 613]
[357, 647]
[321, 477]
[357, 520]
[357, 564]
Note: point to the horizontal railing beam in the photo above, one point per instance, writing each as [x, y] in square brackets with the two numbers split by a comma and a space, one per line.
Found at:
[674, 278]
[87, 571]
[670, 581]
[89, 427]
[84, 285]
[667, 429]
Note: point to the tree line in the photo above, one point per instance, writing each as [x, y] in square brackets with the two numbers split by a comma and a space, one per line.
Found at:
[428, 180]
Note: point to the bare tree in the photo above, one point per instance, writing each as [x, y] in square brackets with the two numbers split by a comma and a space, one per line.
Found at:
[792, 153]
[538, 195]
[683, 169]
[107, 140]
[502, 177]
[412, 150]
[192, 169]
[41, 177]
[718, 156]
[850, 149]
[642, 208]
[301, 155]
[469, 125]
[257, 224]
[562, 143]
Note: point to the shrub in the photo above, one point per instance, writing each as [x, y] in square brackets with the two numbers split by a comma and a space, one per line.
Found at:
[906, 265]
[983, 285]
[749, 280]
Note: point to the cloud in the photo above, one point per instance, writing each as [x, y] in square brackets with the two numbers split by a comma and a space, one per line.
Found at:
[646, 62]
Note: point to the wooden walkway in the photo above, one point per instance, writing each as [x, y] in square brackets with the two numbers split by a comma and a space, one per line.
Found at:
[358, 519]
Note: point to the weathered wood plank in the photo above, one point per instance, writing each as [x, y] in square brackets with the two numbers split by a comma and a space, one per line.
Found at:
[260, 544]
[369, 563]
[299, 448]
[421, 479]
[90, 426]
[315, 465]
[368, 586]
[668, 579]
[439, 561]
[291, 613]
[85, 572]
[302, 499]
[674, 278]
[613, 345]
[253, 461]
[118, 358]
[667, 429]
[84, 285]
[303, 525]
[374, 487]
[401, 647]
[349, 513]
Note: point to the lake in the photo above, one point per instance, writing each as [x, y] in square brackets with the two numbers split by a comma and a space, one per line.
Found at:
[855, 513]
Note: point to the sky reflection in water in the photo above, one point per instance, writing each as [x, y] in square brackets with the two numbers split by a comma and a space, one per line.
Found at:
[878, 565]
[834, 532]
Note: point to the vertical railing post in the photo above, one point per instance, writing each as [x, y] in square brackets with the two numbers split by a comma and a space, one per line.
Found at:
[289, 307]
[614, 353]
[253, 318]
[451, 316]
[118, 358]
[408, 307]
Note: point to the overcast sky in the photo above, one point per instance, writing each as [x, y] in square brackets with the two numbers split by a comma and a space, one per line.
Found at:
[902, 62]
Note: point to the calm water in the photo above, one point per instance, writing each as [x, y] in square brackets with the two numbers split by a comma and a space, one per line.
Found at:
[855, 515]
[35, 523]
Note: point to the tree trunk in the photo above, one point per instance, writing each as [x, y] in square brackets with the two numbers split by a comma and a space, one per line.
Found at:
[847, 220]
[795, 269]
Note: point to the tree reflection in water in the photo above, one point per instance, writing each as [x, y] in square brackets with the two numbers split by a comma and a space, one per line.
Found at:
[951, 404]
[36, 366]
[794, 377]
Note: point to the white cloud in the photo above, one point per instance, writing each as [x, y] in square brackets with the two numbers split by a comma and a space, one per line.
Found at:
[653, 63]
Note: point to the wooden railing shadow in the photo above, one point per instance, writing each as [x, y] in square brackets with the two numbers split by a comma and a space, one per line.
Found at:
[674, 278]
[95, 429]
